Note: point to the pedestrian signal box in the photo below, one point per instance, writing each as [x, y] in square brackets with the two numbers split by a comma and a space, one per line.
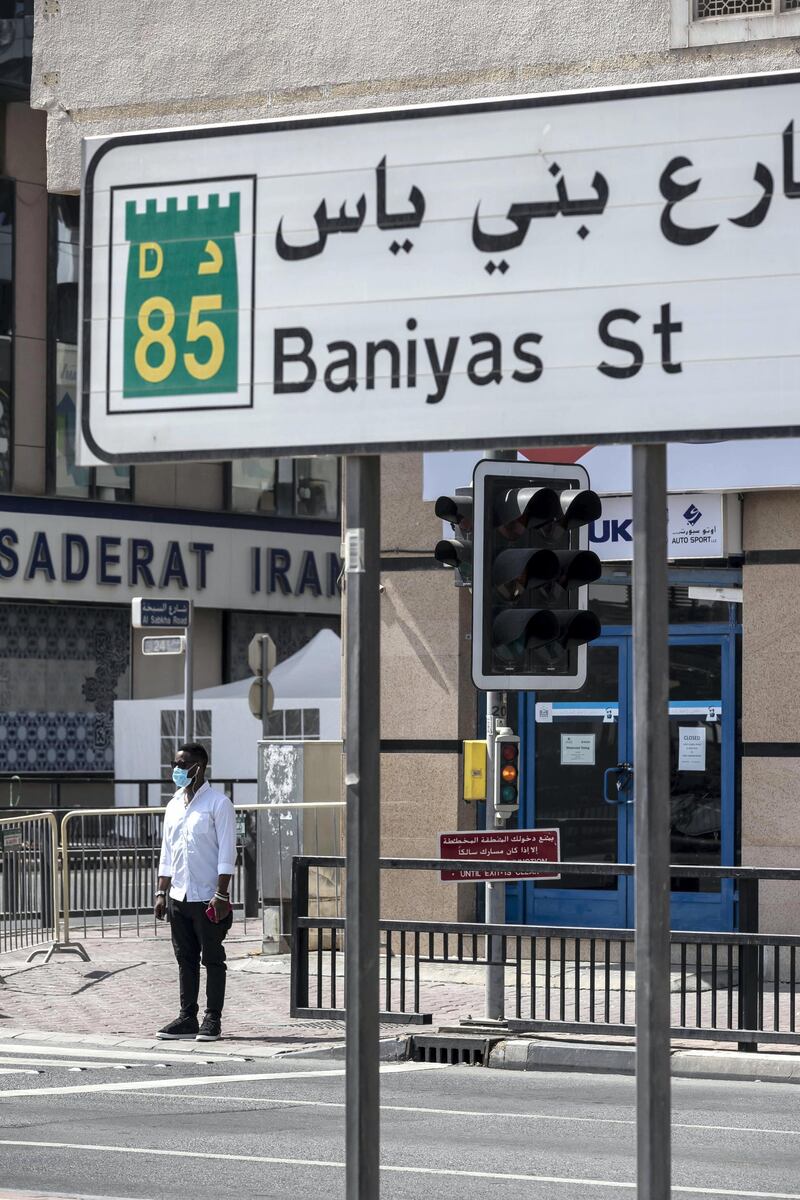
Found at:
[475, 770]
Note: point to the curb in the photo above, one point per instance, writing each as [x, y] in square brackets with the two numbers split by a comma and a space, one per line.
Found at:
[224, 1050]
[519, 1054]
[391, 1049]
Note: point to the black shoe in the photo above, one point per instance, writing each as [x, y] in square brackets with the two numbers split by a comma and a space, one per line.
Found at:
[181, 1027]
[210, 1030]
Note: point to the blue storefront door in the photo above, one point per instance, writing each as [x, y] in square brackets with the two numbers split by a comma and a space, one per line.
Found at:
[578, 751]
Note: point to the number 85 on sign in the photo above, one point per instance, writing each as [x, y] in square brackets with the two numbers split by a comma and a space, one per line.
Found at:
[182, 295]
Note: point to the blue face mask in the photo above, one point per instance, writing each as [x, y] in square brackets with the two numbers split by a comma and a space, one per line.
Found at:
[180, 776]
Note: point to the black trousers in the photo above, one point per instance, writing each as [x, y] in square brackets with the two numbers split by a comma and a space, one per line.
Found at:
[195, 937]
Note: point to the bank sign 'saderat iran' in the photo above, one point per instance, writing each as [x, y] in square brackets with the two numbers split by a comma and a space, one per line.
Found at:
[602, 265]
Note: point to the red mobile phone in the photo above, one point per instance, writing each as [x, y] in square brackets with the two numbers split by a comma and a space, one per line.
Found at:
[211, 914]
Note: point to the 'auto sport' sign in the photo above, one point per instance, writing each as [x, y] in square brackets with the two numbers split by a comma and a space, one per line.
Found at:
[593, 266]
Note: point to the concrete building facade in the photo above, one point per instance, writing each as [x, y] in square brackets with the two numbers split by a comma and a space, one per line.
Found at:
[118, 66]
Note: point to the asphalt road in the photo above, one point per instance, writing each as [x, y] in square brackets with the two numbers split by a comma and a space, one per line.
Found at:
[100, 1123]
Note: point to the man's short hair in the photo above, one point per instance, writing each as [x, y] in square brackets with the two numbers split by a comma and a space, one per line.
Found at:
[196, 751]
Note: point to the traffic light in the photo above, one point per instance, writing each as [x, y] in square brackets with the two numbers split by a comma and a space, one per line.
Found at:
[532, 567]
[456, 552]
[506, 772]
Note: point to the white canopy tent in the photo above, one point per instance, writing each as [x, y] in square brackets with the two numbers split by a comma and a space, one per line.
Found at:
[307, 689]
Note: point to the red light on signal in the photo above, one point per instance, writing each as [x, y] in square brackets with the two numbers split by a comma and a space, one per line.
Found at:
[509, 751]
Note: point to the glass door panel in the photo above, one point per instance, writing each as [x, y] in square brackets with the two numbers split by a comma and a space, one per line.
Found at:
[701, 713]
[578, 740]
[573, 739]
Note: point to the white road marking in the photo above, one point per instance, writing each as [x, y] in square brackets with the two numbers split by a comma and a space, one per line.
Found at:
[73, 1064]
[471, 1112]
[199, 1080]
[16, 1071]
[79, 1051]
[508, 1176]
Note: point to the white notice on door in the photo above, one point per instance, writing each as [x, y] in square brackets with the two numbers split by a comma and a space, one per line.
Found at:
[691, 748]
[577, 749]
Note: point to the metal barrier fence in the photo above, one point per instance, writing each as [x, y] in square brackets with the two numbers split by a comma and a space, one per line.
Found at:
[109, 864]
[28, 882]
[98, 787]
[740, 987]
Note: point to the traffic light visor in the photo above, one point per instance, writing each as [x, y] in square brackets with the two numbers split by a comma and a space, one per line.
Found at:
[455, 509]
[580, 507]
[527, 626]
[527, 506]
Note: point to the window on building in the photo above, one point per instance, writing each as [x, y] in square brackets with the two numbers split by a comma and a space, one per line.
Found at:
[287, 487]
[173, 735]
[292, 724]
[6, 328]
[66, 478]
[714, 22]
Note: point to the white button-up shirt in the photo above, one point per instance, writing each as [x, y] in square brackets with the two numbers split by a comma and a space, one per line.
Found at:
[198, 843]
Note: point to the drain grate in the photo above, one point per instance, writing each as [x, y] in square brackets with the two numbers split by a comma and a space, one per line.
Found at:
[453, 1050]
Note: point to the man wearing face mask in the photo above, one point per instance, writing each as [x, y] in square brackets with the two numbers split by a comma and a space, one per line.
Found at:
[198, 858]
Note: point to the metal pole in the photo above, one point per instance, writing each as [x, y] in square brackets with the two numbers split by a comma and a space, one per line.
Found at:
[264, 687]
[362, 770]
[495, 892]
[188, 681]
[652, 821]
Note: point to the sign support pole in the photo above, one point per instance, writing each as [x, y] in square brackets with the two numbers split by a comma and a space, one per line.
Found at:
[264, 688]
[188, 680]
[651, 761]
[362, 793]
[494, 891]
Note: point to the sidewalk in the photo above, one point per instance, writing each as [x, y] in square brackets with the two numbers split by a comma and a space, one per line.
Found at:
[129, 989]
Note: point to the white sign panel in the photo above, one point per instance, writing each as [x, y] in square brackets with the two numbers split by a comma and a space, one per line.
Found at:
[591, 266]
[691, 748]
[577, 749]
[696, 527]
[46, 556]
[163, 645]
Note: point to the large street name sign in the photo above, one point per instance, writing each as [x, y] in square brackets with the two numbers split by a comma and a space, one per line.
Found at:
[610, 265]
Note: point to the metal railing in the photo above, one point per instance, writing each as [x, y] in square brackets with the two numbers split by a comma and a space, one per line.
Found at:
[28, 882]
[741, 987]
[61, 789]
[109, 864]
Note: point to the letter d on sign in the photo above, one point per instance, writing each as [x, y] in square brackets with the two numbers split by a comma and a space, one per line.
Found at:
[151, 260]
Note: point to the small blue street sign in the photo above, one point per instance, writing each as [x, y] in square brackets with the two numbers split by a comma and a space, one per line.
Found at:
[160, 614]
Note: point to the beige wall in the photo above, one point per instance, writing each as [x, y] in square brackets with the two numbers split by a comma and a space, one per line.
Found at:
[125, 65]
[423, 637]
[771, 701]
[162, 675]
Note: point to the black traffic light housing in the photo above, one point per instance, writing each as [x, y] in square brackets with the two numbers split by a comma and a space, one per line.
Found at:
[532, 568]
[456, 552]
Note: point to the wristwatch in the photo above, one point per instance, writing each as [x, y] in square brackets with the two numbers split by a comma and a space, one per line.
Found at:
[161, 893]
